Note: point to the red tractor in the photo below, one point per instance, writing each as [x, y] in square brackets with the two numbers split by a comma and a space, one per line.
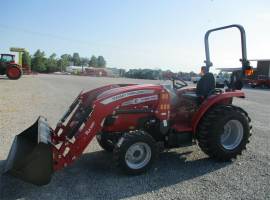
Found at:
[136, 122]
[260, 81]
[9, 67]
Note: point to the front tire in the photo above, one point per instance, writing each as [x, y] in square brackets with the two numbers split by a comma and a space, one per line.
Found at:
[135, 152]
[224, 132]
[104, 142]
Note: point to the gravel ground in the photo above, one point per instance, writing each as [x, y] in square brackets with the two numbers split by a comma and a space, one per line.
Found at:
[184, 173]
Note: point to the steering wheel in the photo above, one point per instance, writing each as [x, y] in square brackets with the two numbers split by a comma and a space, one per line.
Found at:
[179, 83]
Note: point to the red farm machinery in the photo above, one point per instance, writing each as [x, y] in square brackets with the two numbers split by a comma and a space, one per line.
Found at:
[261, 76]
[135, 122]
[9, 67]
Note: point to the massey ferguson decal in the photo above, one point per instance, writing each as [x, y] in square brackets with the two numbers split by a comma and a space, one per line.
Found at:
[140, 100]
[125, 95]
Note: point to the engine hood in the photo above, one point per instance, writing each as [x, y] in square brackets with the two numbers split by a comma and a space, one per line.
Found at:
[140, 89]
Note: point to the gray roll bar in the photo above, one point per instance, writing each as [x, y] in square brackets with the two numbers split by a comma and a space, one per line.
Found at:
[244, 59]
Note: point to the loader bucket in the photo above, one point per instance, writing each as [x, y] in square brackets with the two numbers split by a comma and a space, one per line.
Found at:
[30, 157]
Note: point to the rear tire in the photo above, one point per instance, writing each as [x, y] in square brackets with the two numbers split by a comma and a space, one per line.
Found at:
[135, 152]
[224, 132]
[14, 72]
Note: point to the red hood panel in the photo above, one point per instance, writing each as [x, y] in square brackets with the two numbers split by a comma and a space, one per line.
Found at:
[120, 90]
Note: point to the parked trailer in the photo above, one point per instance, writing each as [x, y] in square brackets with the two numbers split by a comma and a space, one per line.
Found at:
[261, 76]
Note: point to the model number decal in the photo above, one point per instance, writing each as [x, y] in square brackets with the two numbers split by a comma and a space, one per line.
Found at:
[140, 100]
[126, 94]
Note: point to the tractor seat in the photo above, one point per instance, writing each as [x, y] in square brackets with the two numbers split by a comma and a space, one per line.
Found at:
[205, 87]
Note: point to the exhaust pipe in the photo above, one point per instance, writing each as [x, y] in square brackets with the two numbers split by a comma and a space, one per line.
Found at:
[30, 157]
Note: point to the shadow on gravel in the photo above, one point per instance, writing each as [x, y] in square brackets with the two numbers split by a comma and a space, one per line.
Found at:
[3, 78]
[94, 176]
[257, 88]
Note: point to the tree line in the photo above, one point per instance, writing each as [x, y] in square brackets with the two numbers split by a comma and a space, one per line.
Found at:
[40, 63]
[158, 74]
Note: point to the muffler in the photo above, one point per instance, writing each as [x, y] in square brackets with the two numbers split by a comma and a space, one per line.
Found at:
[30, 157]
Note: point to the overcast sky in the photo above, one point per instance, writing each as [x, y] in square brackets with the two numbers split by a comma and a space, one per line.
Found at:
[165, 34]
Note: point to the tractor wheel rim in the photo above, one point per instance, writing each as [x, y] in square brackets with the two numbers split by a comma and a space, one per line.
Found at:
[138, 155]
[13, 72]
[232, 135]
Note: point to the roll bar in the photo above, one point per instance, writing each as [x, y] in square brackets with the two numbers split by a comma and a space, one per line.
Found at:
[244, 59]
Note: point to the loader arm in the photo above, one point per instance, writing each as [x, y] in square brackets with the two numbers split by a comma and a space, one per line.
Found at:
[87, 120]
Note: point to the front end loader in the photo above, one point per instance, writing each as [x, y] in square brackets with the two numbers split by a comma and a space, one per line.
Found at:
[135, 122]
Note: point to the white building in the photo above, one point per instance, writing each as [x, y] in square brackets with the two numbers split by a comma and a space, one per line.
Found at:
[74, 69]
